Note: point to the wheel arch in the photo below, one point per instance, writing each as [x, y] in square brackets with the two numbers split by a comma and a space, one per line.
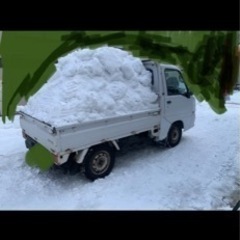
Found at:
[179, 123]
[81, 154]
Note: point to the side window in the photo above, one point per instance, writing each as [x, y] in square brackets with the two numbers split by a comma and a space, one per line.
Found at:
[151, 72]
[154, 87]
[175, 83]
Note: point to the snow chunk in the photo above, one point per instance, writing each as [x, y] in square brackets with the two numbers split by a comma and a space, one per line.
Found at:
[93, 84]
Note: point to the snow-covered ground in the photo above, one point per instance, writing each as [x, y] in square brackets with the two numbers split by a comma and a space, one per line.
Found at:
[202, 172]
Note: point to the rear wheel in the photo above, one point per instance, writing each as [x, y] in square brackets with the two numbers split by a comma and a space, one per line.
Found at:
[99, 162]
[174, 135]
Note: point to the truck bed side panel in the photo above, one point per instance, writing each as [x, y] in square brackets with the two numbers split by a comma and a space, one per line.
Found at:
[83, 135]
[75, 139]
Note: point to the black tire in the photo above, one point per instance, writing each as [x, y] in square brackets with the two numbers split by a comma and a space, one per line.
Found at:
[174, 135]
[99, 162]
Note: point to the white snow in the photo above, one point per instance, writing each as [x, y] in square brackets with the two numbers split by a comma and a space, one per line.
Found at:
[93, 84]
[201, 173]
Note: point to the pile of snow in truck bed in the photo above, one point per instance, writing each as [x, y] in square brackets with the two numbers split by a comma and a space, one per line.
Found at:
[93, 84]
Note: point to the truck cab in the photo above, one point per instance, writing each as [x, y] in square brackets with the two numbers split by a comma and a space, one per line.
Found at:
[176, 102]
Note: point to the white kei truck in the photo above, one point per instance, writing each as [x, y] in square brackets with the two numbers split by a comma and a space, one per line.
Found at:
[92, 145]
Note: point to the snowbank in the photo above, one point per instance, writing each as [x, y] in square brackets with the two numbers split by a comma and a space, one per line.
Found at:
[93, 84]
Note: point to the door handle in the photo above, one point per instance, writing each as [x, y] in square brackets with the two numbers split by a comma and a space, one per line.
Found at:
[168, 102]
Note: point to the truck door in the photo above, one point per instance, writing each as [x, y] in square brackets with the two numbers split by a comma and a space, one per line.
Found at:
[179, 104]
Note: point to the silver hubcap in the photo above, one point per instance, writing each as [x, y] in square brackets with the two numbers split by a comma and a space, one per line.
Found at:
[101, 162]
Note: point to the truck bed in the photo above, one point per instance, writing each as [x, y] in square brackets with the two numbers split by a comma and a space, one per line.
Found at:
[75, 137]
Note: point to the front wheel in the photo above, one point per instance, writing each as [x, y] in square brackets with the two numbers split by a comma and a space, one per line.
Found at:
[99, 162]
[174, 135]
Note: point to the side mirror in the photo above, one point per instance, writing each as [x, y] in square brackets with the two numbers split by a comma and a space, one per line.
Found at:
[188, 94]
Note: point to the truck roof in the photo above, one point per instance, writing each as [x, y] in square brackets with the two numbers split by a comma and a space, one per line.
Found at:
[163, 65]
